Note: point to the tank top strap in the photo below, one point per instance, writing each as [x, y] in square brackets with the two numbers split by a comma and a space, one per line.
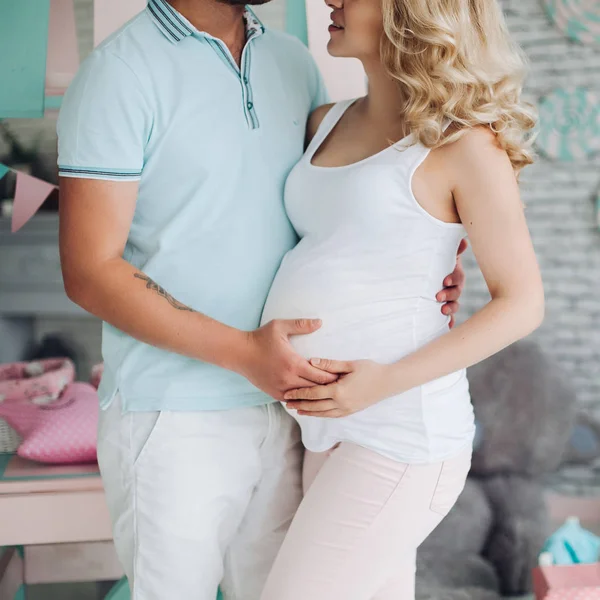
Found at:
[420, 152]
[330, 120]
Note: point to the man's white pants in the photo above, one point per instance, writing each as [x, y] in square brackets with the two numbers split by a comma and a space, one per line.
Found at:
[199, 499]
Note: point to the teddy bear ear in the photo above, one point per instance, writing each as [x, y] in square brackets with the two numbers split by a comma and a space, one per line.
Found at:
[584, 444]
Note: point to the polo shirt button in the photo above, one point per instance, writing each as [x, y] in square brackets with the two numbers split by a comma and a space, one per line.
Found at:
[245, 80]
[249, 105]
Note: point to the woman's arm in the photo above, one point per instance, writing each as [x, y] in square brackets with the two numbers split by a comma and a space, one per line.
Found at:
[488, 201]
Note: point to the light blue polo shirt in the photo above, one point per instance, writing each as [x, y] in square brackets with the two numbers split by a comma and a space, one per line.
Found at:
[211, 144]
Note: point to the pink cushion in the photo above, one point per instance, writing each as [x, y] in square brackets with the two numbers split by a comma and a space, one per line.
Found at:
[39, 381]
[63, 432]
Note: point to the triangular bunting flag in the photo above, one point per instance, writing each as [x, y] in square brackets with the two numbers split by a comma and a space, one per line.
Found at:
[3, 170]
[63, 53]
[29, 196]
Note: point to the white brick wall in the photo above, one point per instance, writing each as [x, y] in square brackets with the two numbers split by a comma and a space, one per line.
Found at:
[560, 211]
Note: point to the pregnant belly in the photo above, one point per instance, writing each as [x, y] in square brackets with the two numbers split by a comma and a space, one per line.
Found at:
[380, 331]
[383, 339]
[363, 315]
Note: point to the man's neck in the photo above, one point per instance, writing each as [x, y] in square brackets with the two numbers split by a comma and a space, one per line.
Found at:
[219, 19]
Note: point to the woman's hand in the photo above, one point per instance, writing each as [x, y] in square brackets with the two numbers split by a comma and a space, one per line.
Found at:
[361, 383]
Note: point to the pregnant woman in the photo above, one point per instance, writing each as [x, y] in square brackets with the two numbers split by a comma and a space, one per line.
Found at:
[390, 440]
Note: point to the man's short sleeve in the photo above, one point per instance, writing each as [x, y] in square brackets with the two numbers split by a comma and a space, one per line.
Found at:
[104, 122]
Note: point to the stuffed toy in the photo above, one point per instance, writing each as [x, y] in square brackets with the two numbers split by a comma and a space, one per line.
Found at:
[527, 426]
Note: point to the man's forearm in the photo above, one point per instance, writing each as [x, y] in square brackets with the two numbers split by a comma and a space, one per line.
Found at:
[128, 299]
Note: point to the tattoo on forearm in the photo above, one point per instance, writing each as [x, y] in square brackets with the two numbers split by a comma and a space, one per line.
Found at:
[152, 285]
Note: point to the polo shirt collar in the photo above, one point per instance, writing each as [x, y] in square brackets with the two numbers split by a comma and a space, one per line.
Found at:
[175, 27]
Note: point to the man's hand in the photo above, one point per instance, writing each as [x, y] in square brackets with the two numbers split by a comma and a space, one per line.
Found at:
[453, 286]
[271, 364]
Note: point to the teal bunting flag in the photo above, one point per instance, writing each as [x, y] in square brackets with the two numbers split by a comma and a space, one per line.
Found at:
[295, 19]
[23, 48]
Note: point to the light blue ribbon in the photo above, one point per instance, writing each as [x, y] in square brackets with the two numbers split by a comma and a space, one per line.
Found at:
[572, 544]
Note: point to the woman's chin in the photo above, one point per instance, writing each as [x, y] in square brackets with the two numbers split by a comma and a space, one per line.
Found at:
[334, 48]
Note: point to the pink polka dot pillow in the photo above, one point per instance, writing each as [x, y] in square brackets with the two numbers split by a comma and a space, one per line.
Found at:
[62, 432]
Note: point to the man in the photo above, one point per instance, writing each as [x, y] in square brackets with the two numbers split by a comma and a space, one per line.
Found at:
[175, 140]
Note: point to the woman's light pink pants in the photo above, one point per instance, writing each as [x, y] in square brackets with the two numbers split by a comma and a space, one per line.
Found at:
[357, 530]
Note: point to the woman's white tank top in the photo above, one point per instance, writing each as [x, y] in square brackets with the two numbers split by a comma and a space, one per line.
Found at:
[369, 264]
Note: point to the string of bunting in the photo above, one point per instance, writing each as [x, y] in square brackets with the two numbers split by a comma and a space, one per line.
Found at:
[40, 70]
[30, 194]
[61, 57]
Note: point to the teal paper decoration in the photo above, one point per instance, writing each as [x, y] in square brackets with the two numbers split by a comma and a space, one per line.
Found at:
[569, 125]
[23, 47]
[295, 19]
[579, 20]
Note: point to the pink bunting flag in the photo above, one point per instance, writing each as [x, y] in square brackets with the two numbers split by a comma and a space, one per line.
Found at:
[30, 194]
[344, 77]
[63, 54]
[109, 15]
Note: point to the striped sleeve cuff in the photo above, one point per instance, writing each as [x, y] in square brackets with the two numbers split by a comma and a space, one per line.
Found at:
[99, 173]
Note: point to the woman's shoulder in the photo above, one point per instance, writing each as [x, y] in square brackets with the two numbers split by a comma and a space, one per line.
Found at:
[472, 141]
[474, 148]
[315, 119]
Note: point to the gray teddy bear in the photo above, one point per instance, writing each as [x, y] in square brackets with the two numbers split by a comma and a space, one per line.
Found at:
[525, 412]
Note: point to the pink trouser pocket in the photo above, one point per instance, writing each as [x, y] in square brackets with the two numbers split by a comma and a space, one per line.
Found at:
[451, 482]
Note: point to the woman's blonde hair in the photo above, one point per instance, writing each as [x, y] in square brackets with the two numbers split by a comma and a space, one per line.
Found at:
[456, 60]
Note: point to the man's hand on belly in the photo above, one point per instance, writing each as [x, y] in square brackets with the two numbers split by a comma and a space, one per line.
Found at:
[269, 362]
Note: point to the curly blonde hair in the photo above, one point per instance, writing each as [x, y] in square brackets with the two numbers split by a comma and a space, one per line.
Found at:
[456, 60]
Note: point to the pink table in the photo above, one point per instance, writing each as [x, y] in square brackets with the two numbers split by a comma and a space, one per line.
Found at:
[59, 516]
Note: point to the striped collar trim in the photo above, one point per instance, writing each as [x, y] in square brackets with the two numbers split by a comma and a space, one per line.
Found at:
[170, 22]
[176, 27]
